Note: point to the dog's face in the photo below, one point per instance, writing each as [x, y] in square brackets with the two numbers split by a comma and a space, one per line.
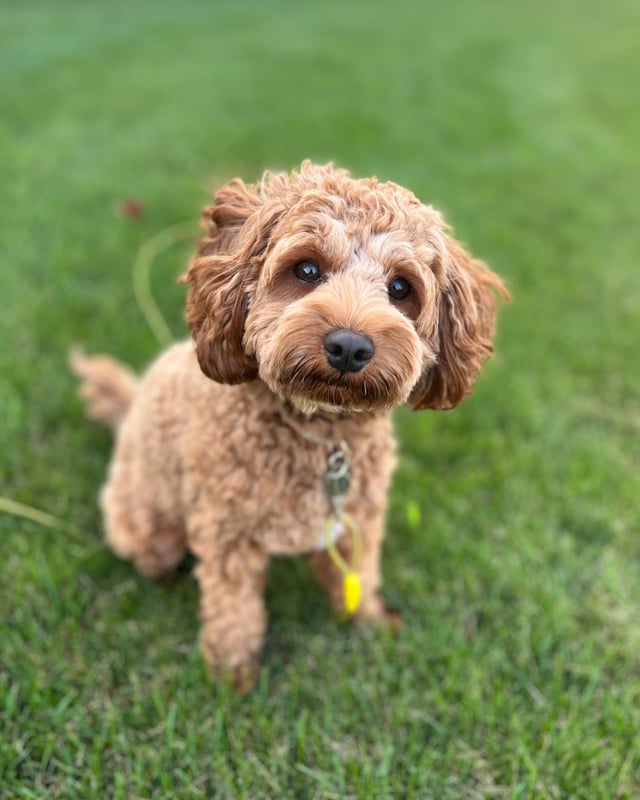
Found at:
[340, 294]
[342, 309]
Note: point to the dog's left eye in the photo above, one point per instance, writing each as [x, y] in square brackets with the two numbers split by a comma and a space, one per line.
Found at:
[399, 289]
[307, 272]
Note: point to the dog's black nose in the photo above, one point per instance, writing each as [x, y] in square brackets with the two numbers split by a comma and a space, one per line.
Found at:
[348, 351]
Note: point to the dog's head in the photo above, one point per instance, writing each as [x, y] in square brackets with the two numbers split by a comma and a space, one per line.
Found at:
[339, 294]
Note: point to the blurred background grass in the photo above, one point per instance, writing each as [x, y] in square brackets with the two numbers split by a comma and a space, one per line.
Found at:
[513, 548]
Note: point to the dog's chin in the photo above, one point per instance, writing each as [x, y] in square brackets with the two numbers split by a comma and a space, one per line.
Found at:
[310, 407]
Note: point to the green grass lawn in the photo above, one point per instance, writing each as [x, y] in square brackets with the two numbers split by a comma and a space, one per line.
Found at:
[514, 545]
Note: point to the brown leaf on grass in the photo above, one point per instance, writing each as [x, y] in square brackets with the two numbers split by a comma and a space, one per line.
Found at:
[130, 208]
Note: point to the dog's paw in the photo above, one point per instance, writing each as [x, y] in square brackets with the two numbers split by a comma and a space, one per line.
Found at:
[392, 619]
[377, 612]
[242, 678]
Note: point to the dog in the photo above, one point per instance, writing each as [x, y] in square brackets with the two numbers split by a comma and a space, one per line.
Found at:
[317, 304]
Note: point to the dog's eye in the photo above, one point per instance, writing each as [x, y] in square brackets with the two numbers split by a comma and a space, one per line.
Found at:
[307, 272]
[399, 289]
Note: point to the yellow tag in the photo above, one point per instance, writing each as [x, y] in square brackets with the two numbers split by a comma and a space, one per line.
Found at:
[352, 590]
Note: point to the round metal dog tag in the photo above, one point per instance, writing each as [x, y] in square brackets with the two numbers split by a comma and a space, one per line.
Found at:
[337, 476]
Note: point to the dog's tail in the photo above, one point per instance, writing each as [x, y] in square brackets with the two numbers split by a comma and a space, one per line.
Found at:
[107, 387]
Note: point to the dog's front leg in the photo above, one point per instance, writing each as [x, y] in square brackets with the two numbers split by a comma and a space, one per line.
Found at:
[232, 576]
[372, 607]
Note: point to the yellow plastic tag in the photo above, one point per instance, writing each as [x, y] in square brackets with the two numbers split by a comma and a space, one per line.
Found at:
[352, 591]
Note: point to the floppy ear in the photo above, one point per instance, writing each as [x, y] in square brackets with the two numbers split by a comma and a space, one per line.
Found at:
[466, 323]
[222, 276]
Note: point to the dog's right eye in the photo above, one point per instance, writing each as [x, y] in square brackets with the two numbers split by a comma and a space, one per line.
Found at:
[307, 272]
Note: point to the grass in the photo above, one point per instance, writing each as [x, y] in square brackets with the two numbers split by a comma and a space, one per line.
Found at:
[513, 550]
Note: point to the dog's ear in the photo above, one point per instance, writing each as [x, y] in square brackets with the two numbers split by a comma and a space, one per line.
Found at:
[466, 323]
[222, 276]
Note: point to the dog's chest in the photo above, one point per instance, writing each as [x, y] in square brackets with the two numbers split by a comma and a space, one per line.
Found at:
[297, 516]
[268, 481]
[305, 484]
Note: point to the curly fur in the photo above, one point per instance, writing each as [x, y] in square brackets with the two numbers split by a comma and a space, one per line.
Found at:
[221, 447]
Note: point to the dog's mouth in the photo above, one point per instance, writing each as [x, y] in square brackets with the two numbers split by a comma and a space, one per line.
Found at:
[365, 391]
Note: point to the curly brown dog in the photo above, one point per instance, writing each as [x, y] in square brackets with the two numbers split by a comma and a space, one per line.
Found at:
[317, 304]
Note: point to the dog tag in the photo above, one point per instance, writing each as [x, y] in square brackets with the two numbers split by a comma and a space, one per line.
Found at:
[337, 477]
